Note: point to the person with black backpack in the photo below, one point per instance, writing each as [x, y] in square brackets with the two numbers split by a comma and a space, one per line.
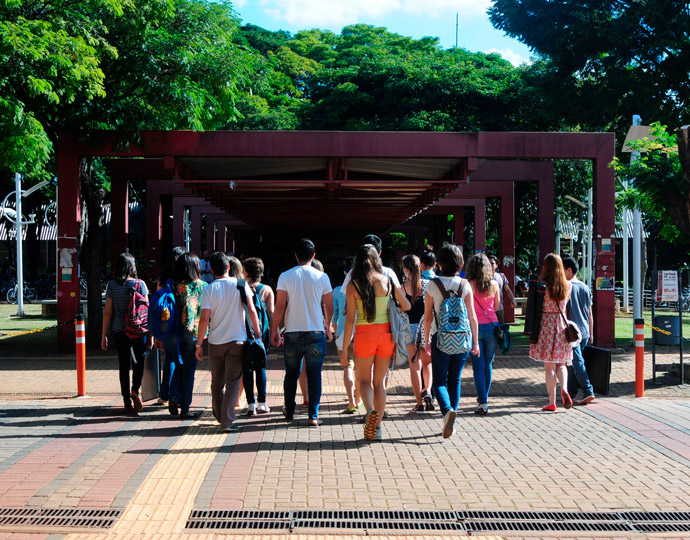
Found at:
[125, 297]
[450, 330]
[264, 302]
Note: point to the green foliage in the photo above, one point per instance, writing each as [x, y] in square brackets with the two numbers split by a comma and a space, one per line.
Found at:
[655, 182]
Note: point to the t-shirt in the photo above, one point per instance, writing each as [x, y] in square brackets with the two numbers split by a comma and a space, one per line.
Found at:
[388, 272]
[578, 307]
[121, 296]
[305, 287]
[227, 311]
[451, 284]
[339, 315]
[502, 281]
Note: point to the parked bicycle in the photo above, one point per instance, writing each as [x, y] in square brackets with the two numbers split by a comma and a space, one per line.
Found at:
[30, 294]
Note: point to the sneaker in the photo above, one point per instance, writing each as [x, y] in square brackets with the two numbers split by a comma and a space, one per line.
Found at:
[315, 422]
[481, 411]
[428, 402]
[187, 415]
[372, 419]
[379, 433]
[449, 423]
[385, 414]
[231, 429]
[305, 403]
[251, 409]
[286, 415]
[262, 408]
[136, 400]
[585, 401]
[419, 409]
[172, 408]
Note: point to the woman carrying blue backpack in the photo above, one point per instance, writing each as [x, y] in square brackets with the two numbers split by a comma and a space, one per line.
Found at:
[450, 330]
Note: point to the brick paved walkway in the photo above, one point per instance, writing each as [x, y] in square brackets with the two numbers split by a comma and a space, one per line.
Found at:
[57, 452]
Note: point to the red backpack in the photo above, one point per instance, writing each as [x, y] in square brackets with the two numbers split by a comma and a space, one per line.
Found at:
[137, 316]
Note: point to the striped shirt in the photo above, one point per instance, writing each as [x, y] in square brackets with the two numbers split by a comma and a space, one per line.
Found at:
[121, 296]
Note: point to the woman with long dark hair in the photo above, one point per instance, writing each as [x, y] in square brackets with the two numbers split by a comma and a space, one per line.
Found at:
[368, 295]
[550, 345]
[487, 300]
[420, 361]
[118, 295]
[188, 287]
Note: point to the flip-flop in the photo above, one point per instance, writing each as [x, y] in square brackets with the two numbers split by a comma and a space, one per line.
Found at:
[350, 410]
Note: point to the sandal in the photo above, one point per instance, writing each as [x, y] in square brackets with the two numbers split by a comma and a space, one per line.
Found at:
[350, 410]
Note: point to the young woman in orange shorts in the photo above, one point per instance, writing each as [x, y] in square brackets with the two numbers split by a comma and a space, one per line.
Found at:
[367, 312]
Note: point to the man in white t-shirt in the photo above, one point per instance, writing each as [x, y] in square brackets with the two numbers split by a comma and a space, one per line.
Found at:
[375, 241]
[222, 308]
[300, 295]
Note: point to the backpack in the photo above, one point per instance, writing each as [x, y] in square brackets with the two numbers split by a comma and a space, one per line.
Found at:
[137, 316]
[163, 318]
[263, 316]
[453, 326]
[256, 352]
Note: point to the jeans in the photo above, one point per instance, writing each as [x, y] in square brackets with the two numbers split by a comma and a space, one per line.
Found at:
[248, 376]
[182, 380]
[312, 347]
[446, 372]
[577, 374]
[482, 365]
[169, 364]
[124, 345]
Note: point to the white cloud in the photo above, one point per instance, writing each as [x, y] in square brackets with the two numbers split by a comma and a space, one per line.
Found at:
[508, 54]
[239, 4]
[329, 13]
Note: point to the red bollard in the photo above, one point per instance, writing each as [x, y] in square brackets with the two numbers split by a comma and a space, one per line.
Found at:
[639, 357]
[80, 331]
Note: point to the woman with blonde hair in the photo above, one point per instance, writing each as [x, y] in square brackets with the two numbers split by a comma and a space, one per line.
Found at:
[368, 294]
[547, 340]
[487, 300]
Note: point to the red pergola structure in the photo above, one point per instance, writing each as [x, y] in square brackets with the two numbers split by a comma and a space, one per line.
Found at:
[331, 183]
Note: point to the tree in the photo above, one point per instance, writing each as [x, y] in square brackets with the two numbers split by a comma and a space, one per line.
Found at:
[607, 59]
[111, 64]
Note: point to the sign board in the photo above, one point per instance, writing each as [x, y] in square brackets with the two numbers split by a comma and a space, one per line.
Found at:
[667, 286]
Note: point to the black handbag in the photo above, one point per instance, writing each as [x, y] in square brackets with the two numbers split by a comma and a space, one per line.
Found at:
[255, 351]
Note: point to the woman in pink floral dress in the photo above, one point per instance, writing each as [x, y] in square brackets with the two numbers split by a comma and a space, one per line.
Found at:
[552, 348]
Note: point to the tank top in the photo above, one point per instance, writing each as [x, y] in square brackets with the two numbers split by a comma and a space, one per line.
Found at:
[484, 308]
[381, 311]
[417, 309]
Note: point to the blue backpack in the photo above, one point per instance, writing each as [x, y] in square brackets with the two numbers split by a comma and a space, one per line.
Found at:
[260, 311]
[164, 319]
[454, 335]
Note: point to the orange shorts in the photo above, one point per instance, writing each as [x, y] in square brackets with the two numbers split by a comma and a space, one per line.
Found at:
[374, 340]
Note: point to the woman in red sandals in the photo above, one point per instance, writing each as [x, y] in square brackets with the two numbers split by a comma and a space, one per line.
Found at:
[551, 346]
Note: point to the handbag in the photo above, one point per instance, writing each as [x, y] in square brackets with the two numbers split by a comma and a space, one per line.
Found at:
[255, 350]
[501, 331]
[400, 329]
[571, 332]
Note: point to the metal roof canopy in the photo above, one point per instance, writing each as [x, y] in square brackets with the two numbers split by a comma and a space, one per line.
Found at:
[326, 182]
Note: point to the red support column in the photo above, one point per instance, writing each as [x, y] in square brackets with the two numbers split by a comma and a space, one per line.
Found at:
[506, 238]
[119, 217]
[546, 218]
[604, 209]
[154, 227]
[480, 226]
[69, 221]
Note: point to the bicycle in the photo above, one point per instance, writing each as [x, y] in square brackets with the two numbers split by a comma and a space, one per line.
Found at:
[30, 294]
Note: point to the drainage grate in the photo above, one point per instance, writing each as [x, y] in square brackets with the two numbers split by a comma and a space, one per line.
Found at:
[464, 520]
[59, 517]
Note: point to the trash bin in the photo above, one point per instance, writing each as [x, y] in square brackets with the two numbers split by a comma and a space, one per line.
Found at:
[670, 323]
[598, 366]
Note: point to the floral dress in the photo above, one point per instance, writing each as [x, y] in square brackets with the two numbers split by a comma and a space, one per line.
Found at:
[552, 345]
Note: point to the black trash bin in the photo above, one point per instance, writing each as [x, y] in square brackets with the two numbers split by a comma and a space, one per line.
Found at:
[598, 366]
[670, 323]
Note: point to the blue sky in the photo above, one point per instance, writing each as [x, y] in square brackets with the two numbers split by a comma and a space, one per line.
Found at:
[416, 18]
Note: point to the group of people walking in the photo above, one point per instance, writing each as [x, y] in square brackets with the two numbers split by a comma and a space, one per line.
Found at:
[454, 312]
